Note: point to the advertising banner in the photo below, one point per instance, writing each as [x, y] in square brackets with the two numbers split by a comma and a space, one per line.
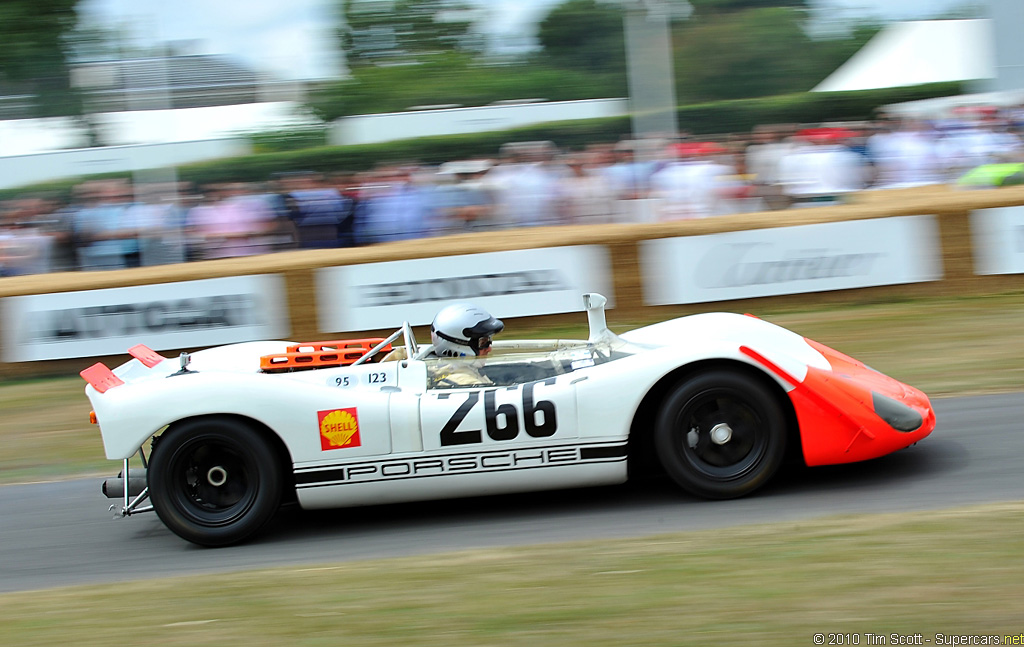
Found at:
[187, 314]
[517, 283]
[790, 260]
[998, 236]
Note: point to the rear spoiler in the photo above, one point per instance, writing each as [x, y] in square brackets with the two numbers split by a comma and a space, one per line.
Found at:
[100, 377]
[103, 379]
[146, 355]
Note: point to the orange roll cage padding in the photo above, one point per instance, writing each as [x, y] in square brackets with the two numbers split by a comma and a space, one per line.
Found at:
[319, 354]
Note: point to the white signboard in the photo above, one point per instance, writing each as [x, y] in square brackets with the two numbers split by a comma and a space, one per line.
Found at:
[516, 283]
[370, 129]
[998, 236]
[208, 312]
[791, 260]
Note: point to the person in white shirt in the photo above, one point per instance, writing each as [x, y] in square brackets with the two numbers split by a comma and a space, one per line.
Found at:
[696, 185]
[764, 160]
[526, 186]
[587, 197]
[821, 169]
[905, 156]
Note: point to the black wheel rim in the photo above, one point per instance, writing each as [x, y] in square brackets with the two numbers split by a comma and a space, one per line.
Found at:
[213, 482]
[720, 433]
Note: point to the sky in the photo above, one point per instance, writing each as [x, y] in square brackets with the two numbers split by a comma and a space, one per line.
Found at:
[291, 40]
[294, 39]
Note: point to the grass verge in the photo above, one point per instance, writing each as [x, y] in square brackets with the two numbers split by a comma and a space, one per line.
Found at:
[755, 585]
[943, 346]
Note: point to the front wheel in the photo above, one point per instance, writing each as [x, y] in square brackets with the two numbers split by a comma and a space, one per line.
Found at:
[721, 434]
[214, 481]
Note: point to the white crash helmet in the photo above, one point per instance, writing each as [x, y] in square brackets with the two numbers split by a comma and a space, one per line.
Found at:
[463, 329]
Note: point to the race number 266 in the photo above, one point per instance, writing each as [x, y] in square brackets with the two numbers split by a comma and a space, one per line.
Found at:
[502, 419]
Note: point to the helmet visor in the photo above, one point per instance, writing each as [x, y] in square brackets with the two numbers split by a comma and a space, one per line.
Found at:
[485, 328]
[480, 345]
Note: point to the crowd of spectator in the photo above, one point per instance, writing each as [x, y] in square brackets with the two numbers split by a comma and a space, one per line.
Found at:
[107, 224]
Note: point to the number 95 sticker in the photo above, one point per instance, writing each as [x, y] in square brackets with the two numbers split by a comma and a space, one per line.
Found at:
[373, 378]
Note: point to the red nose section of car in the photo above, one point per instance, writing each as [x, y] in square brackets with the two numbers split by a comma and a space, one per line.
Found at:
[835, 409]
[101, 378]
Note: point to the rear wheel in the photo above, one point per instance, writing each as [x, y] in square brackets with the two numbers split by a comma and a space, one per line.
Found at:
[721, 434]
[214, 481]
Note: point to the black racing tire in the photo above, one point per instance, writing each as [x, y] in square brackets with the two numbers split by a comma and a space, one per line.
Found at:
[214, 481]
[720, 434]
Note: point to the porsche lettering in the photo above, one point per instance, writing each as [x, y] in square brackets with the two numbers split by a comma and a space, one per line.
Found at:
[455, 464]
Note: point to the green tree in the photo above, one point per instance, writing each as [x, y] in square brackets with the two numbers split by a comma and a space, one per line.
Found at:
[584, 35]
[34, 54]
[752, 53]
[755, 52]
[728, 49]
[452, 78]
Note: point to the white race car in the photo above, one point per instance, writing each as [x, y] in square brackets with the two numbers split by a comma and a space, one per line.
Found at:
[712, 399]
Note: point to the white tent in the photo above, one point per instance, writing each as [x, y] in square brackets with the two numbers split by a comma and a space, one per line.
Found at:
[916, 52]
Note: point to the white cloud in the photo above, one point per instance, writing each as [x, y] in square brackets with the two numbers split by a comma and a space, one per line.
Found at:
[513, 16]
[290, 39]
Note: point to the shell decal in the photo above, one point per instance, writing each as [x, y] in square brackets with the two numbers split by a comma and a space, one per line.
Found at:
[339, 429]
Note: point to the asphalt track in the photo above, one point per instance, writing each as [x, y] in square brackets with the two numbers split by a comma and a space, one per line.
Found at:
[56, 534]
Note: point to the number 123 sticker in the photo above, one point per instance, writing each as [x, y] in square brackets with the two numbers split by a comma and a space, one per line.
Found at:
[379, 378]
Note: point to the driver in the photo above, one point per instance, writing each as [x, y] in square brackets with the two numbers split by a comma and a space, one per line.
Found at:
[462, 330]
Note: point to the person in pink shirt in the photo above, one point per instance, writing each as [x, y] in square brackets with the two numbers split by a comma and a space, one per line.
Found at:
[234, 223]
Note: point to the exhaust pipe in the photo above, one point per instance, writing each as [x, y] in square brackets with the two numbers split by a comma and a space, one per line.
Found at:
[113, 488]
